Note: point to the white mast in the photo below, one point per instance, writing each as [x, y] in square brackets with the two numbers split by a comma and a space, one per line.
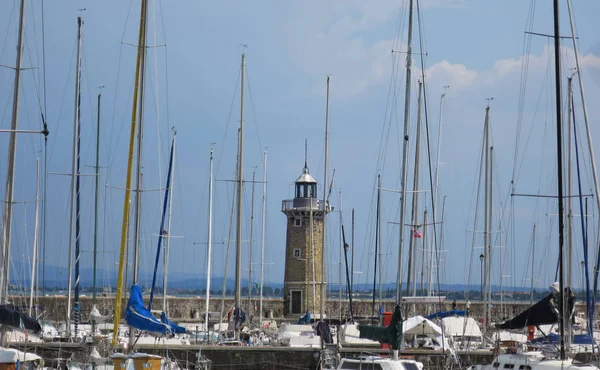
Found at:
[168, 238]
[585, 113]
[209, 252]
[240, 180]
[10, 173]
[35, 235]
[399, 276]
[340, 263]
[325, 207]
[74, 174]
[250, 245]
[264, 223]
[412, 249]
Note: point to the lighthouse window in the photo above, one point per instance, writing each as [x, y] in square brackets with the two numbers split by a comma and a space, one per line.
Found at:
[297, 253]
[297, 222]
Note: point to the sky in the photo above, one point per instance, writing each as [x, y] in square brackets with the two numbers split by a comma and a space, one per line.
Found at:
[478, 48]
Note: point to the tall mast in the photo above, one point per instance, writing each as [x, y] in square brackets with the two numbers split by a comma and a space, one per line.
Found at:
[35, 236]
[569, 228]
[412, 254]
[325, 207]
[209, 252]
[486, 227]
[250, 245]
[489, 252]
[585, 113]
[378, 234]
[96, 184]
[341, 252]
[138, 87]
[399, 276]
[168, 238]
[240, 179]
[558, 82]
[10, 173]
[137, 217]
[264, 224]
[75, 191]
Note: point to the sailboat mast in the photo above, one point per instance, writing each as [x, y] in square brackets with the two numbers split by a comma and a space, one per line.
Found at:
[250, 245]
[399, 276]
[412, 248]
[264, 224]
[209, 252]
[486, 227]
[376, 247]
[378, 236]
[341, 252]
[137, 225]
[168, 238]
[569, 228]
[584, 105]
[240, 179]
[10, 173]
[325, 207]
[35, 236]
[96, 184]
[558, 83]
[127, 202]
[74, 190]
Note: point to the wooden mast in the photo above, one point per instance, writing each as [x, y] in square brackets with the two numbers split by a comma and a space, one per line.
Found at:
[141, 50]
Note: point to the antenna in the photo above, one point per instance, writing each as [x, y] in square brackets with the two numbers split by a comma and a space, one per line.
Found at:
[489, 100]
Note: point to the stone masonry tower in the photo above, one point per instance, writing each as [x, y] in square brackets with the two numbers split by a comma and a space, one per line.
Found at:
[304, 247]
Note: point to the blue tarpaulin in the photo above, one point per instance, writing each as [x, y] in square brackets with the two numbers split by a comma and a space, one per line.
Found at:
[442, 314]
[580, 339]
[175, 329]
[138, 316]
[304, 319]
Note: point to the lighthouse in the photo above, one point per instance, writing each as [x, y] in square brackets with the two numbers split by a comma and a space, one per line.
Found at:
[304, 247]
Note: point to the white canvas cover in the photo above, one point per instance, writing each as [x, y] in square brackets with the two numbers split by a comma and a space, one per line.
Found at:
[10, 356]
[459, 326]
[418, 325]
[504, 336]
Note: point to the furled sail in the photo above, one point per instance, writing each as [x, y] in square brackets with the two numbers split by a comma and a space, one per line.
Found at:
[175, 329]
[391, 334]
[542, 313]
[12, 316]
[138, 316]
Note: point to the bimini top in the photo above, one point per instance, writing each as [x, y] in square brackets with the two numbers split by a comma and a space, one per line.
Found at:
[306, 177]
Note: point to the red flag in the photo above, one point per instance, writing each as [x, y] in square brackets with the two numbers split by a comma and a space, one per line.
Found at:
[417, 234]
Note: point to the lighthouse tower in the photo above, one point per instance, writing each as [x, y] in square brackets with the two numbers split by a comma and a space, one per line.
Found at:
[304, 247]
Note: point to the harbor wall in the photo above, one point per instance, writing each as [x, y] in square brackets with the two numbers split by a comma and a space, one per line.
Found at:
[193, 308]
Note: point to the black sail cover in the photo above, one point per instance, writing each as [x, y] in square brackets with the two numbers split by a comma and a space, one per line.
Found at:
[12, 316]
[542, 313]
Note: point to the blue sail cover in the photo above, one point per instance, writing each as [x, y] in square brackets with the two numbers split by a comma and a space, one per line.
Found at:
[175, 329]
[580, 339]
[138, 316]
[442, 314]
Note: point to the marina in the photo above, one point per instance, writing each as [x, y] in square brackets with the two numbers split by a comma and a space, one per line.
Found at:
[179, 250]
